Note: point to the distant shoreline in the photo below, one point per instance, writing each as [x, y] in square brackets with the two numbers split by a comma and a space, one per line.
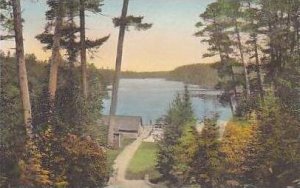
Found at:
[197, 74]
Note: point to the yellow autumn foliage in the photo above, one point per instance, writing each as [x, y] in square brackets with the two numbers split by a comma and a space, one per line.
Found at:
[31, 170]
[235, 139]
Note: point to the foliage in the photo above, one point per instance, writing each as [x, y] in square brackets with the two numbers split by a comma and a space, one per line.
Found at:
[135, 21]
[6, 20]
[206, 165]
[73, 157]
[186, 151]
[51, 162]
[32, 173]
[179, 114]
[263, 152]
[69, 30]
[199, 74]
[85, 161]
[20, 159]
[265, 34]
[268, 50]
[276, 159]
[236, 138]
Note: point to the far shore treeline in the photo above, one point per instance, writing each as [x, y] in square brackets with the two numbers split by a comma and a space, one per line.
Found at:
[204, 75]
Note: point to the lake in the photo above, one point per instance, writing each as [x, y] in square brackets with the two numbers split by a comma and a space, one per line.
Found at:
[151, 98]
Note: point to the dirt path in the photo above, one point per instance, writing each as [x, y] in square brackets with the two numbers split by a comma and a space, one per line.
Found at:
[122, 161]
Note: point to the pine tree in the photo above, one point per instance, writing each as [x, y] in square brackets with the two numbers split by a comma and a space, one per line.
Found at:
[206, 166]
[185, 151]
[253, 157]
[122, 22]
[231, 12]
[64, 36]
[12, 131]
[270, 155]
[172, 132]
[6, 20]
[55, 13]
[252, 27]
[180, 115]
[234, 141]
[95, 7]
[213, 32]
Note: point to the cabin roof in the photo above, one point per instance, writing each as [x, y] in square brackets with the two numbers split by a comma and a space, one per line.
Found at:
[123, 123]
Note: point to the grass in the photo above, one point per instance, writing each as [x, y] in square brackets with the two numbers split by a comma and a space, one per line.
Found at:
[113, 153]
[143, 162]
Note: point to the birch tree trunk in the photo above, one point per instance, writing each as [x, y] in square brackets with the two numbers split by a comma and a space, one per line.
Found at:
[258, 70]
[56, 56]
[83, 50]
[23, 81]
[242, 59]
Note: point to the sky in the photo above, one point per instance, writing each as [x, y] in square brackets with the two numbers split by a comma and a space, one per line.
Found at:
[168, 44]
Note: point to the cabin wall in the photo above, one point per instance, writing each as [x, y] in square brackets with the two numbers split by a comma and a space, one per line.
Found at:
[129, 135]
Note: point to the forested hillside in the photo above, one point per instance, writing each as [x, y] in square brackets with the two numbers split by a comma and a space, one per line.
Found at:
[132, 74]
[204, 75]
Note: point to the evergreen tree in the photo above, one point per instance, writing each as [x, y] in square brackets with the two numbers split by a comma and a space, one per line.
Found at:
[271, 155]
[20, 158]
[12, 133]
[186, 150]
[251, 26]
[56, 13]
[95, 7]
[206, 166]
[179, 115]
[6, 20]
[63, 35]
[236, 140]
[213, 32]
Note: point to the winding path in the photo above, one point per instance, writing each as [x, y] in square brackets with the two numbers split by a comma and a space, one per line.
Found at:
[118, 180]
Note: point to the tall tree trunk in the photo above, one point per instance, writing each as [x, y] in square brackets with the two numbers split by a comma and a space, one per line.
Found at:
[242, 58]
[223, 58]
[231, 98]
[119, 59]
[83, 49]
[56, 56]
[114, 99]
[233, 79]
[273, 58]
[296, 26]
[23, 81]
[258, 70]
[257, 63]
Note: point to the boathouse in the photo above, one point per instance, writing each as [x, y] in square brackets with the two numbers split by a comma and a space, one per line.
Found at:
[124, 126]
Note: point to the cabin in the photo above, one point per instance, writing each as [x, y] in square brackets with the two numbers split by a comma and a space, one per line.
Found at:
[124, 127]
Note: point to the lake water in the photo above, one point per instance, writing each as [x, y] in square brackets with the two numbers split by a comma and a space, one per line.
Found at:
[151, 98]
